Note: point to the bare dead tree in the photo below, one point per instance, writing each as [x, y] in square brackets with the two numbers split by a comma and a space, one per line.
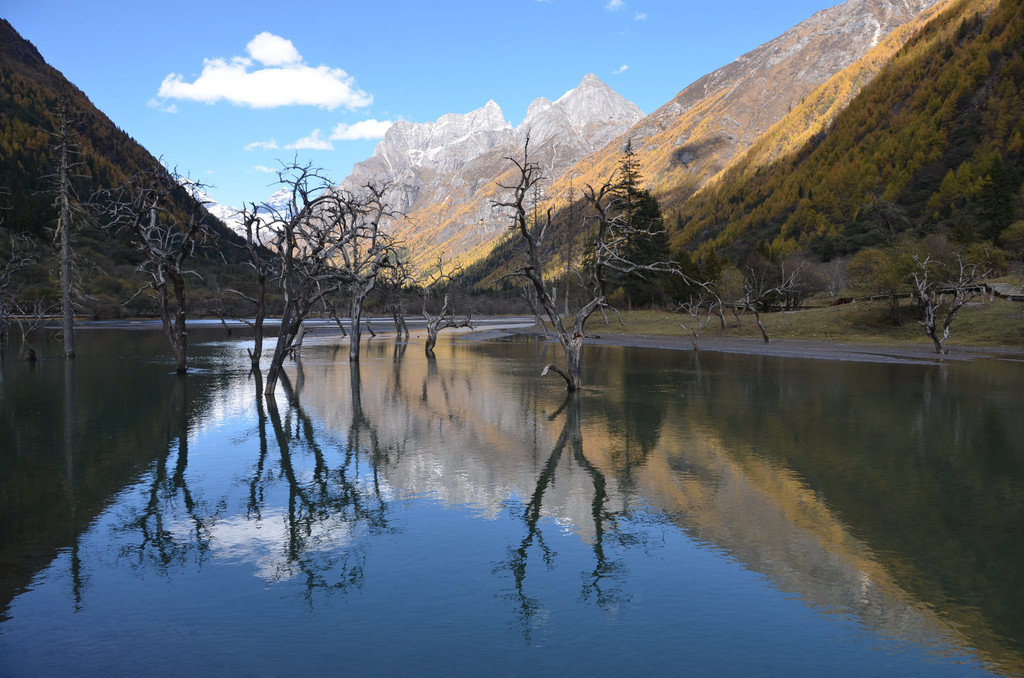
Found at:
[701, 307]
[66, 202]
[330, 308]
[392, 282]
[942, 289]
[306, 235]
[256, 234]
[605, 255]
[763, 286]
[529, 295]
[837, 276]
[32, 315]
[441, 282]
[364, 251]
[14, 256]
[146, 208]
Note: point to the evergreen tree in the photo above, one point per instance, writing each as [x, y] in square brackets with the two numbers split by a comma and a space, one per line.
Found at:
[640, 212]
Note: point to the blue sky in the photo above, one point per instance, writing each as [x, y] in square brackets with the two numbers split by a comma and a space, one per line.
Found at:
[224, 91]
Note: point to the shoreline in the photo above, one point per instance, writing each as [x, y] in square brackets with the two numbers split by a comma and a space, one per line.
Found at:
[497, 327]
[785, 348]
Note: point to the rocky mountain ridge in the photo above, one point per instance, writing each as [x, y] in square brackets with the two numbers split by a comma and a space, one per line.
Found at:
[443, 173]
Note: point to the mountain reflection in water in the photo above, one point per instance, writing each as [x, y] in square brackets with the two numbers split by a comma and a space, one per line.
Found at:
[464, 497]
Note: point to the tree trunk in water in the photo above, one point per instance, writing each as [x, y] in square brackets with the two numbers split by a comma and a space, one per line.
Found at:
[431, 340]
[573, 372]
[65, 240]
[261, 314]
[65, 274]
[277, 360]
[180, 359]
[355, 330]
[574, 363]
[174, 330]
[180, 341]
[401, 329]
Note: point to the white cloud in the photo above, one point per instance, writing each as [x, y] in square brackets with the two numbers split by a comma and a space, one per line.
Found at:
[273, 50]
[615, 5]
[314, 142]
[263, 168]
[262, 145]
[284, 80]
[161, 106]
[364, 129]
[621, 69]
[640, 16]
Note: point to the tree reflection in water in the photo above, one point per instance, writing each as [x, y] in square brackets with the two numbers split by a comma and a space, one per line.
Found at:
[332, 499]
[162, 543]
[335, 503]
[603, 583]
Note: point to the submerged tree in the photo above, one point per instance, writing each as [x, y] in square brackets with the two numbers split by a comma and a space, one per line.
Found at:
[261, 263]
[166, 223]
[327, 242]
[12, 258]
[364, 250]
[391, 283]
[65, 202]
[304, 234]
[608, 233]
[441, 282]
[15, 255]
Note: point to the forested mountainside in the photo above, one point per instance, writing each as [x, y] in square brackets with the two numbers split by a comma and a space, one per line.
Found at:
[103, 157]
[30, 93]
[934, 144]
[693, 138]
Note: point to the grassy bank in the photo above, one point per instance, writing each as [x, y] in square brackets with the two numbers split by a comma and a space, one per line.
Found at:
[982, 323]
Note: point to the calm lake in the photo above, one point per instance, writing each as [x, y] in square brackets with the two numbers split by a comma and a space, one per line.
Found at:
[691, 514]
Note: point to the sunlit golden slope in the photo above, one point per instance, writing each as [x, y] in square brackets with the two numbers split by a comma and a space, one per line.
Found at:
[766, 103]
[820, 107]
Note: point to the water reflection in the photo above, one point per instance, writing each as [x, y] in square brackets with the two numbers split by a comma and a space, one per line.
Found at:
[886, 495]
[722, 457]
[171, 528]
[604, 583]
